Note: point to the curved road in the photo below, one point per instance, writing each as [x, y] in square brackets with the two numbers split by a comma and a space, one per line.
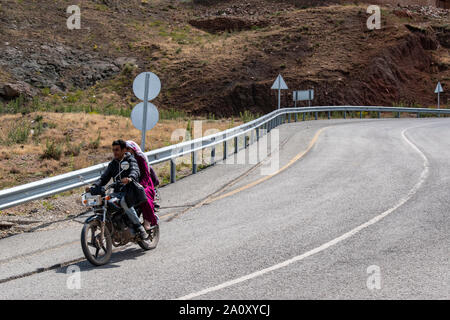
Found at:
[366, 195]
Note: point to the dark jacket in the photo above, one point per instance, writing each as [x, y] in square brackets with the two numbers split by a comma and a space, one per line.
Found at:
[113, 170]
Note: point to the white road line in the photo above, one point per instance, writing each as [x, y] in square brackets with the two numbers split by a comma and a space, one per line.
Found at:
[423, 177]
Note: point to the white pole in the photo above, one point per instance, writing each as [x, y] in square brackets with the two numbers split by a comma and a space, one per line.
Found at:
[295, 98]
[279, 97]
[279, 92]
[439, 100]
[144, 119]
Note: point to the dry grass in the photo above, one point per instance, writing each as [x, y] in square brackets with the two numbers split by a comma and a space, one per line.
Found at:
[84, 139]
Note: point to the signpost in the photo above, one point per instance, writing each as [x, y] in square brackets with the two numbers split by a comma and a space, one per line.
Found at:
[438, 91]
[304, 95]
[144, 116]
[279, 85]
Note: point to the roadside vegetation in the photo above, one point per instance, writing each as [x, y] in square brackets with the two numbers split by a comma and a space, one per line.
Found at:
[39, 141]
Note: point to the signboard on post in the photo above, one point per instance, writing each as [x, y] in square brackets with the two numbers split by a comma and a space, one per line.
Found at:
[137, 115]
[438, 91]
[303, 95]
[144, 116]
[279, 85]
[153, 86]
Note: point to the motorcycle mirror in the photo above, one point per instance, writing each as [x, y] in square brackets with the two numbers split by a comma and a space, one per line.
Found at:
[125, 165]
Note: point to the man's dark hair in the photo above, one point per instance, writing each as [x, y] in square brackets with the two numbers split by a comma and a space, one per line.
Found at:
[122, 144]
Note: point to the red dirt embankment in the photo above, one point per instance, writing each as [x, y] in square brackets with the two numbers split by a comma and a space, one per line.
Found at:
[222, 58]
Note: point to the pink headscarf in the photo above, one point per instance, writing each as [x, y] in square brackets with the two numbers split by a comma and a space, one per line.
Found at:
[135, 147]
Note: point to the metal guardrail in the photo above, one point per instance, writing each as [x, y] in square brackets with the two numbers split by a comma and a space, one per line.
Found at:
[50, 186]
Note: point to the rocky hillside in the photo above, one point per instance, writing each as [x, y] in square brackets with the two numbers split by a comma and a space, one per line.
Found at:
[222, 56]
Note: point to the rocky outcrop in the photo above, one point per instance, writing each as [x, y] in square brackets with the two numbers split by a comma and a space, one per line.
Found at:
[9, 91]
[51, 65]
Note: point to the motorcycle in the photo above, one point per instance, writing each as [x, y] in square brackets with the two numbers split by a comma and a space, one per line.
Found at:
[109, 225]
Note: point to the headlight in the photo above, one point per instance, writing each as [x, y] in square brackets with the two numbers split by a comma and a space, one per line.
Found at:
[89, 200]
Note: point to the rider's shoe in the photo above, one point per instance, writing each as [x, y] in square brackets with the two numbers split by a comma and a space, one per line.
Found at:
[142, 233]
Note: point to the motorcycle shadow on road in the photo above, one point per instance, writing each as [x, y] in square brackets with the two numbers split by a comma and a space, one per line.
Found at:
[119, 256]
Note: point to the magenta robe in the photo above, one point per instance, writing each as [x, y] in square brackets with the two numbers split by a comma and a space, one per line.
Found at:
[148, 208]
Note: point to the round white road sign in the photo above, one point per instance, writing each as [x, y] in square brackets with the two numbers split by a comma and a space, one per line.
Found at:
[154, 86]
[137, 116]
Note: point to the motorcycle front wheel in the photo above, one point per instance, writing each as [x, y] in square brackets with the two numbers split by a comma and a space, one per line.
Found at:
[96, 251]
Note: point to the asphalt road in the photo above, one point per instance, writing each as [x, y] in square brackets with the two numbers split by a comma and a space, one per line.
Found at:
[350, 197]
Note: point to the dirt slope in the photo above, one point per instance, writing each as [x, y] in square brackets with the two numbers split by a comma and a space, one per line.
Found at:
[222, 57]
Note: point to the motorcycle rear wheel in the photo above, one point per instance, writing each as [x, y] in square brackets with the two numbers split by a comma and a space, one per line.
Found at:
[90, 238]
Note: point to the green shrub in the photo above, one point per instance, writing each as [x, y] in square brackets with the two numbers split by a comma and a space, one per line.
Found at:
[73, 149]
[247, 116]
[18, 134]
[94, 144]
[45, 91]
[52, 151]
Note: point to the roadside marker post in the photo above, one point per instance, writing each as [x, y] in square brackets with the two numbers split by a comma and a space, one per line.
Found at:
[279, 84]
[438, 90]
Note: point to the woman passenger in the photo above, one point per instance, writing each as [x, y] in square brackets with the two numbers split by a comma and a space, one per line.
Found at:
[148, 208]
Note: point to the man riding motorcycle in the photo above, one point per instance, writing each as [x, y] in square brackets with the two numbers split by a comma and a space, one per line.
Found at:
[125, 177]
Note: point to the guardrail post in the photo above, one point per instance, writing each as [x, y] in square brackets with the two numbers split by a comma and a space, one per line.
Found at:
[379, 114]
[194, 162]
[289, 118]
[213, 152]
[173, 171]
[439, 115]
[296, 117]
[246, 140]
[236, 145]
[398, 114]
[303, 116]
[418, 114]
[360, 114]
[315, 115]
[329, 115]
[345, 114]
[257, 134]
[225, 149]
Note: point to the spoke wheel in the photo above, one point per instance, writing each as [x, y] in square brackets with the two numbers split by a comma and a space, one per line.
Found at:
[95, 250]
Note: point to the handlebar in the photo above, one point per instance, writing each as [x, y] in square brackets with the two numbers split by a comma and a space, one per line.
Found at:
[114, 185]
